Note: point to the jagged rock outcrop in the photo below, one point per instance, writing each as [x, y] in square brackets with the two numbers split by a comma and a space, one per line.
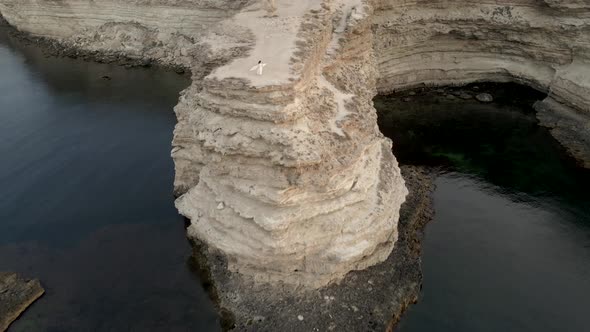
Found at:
[287, 173]
[295, 183]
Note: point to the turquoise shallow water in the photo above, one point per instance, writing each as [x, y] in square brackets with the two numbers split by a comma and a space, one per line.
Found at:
[509, 246]
[86, 200]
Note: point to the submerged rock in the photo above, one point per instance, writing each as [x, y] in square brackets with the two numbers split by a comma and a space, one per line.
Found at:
[16, 295]
[462, 94]
[484, 97]
[310, 187]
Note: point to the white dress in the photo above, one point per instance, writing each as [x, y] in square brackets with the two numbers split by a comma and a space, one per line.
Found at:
[258, 68]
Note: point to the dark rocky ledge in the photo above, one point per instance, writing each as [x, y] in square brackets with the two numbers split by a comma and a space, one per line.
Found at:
[569, 127]
[16, 295]
[369, 300]
[56, 48]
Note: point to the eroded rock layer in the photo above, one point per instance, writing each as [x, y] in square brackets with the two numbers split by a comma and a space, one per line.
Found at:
[167, 31]
[16, 295]
[541, 43]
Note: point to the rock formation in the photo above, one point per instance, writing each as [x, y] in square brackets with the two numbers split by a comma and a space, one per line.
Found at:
[541, 43]
[295, 183]
[286, 173]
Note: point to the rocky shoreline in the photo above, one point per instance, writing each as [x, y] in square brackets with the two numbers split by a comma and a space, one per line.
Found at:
[373, 299]
[16, 295]
[56, 48]
[385, 290]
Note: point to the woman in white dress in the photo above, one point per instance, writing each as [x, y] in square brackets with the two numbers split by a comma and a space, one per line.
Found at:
[259, 67]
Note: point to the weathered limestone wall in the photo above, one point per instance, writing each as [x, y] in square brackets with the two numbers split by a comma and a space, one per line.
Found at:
[287, 173]
[295, 181]
[541, 43]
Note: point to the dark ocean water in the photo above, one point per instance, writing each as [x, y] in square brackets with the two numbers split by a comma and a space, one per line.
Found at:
[509, 246]
[86, 200]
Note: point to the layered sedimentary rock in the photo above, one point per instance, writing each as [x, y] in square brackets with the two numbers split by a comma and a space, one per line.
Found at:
[286, 173]
[292, 180]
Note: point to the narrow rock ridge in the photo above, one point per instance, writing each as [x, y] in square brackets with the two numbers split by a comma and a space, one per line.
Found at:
[286, 173]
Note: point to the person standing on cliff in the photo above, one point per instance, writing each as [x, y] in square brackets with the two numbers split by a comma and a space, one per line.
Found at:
[259, 67]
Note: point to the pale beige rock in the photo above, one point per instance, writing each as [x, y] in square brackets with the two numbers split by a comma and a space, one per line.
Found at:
[541, 43]
[310, 187]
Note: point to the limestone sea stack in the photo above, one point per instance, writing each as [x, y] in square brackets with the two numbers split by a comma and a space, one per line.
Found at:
[285, 173]
[295, 183]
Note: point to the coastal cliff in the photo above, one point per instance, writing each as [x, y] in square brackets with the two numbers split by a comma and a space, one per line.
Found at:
[286, 173]
[540, 43]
